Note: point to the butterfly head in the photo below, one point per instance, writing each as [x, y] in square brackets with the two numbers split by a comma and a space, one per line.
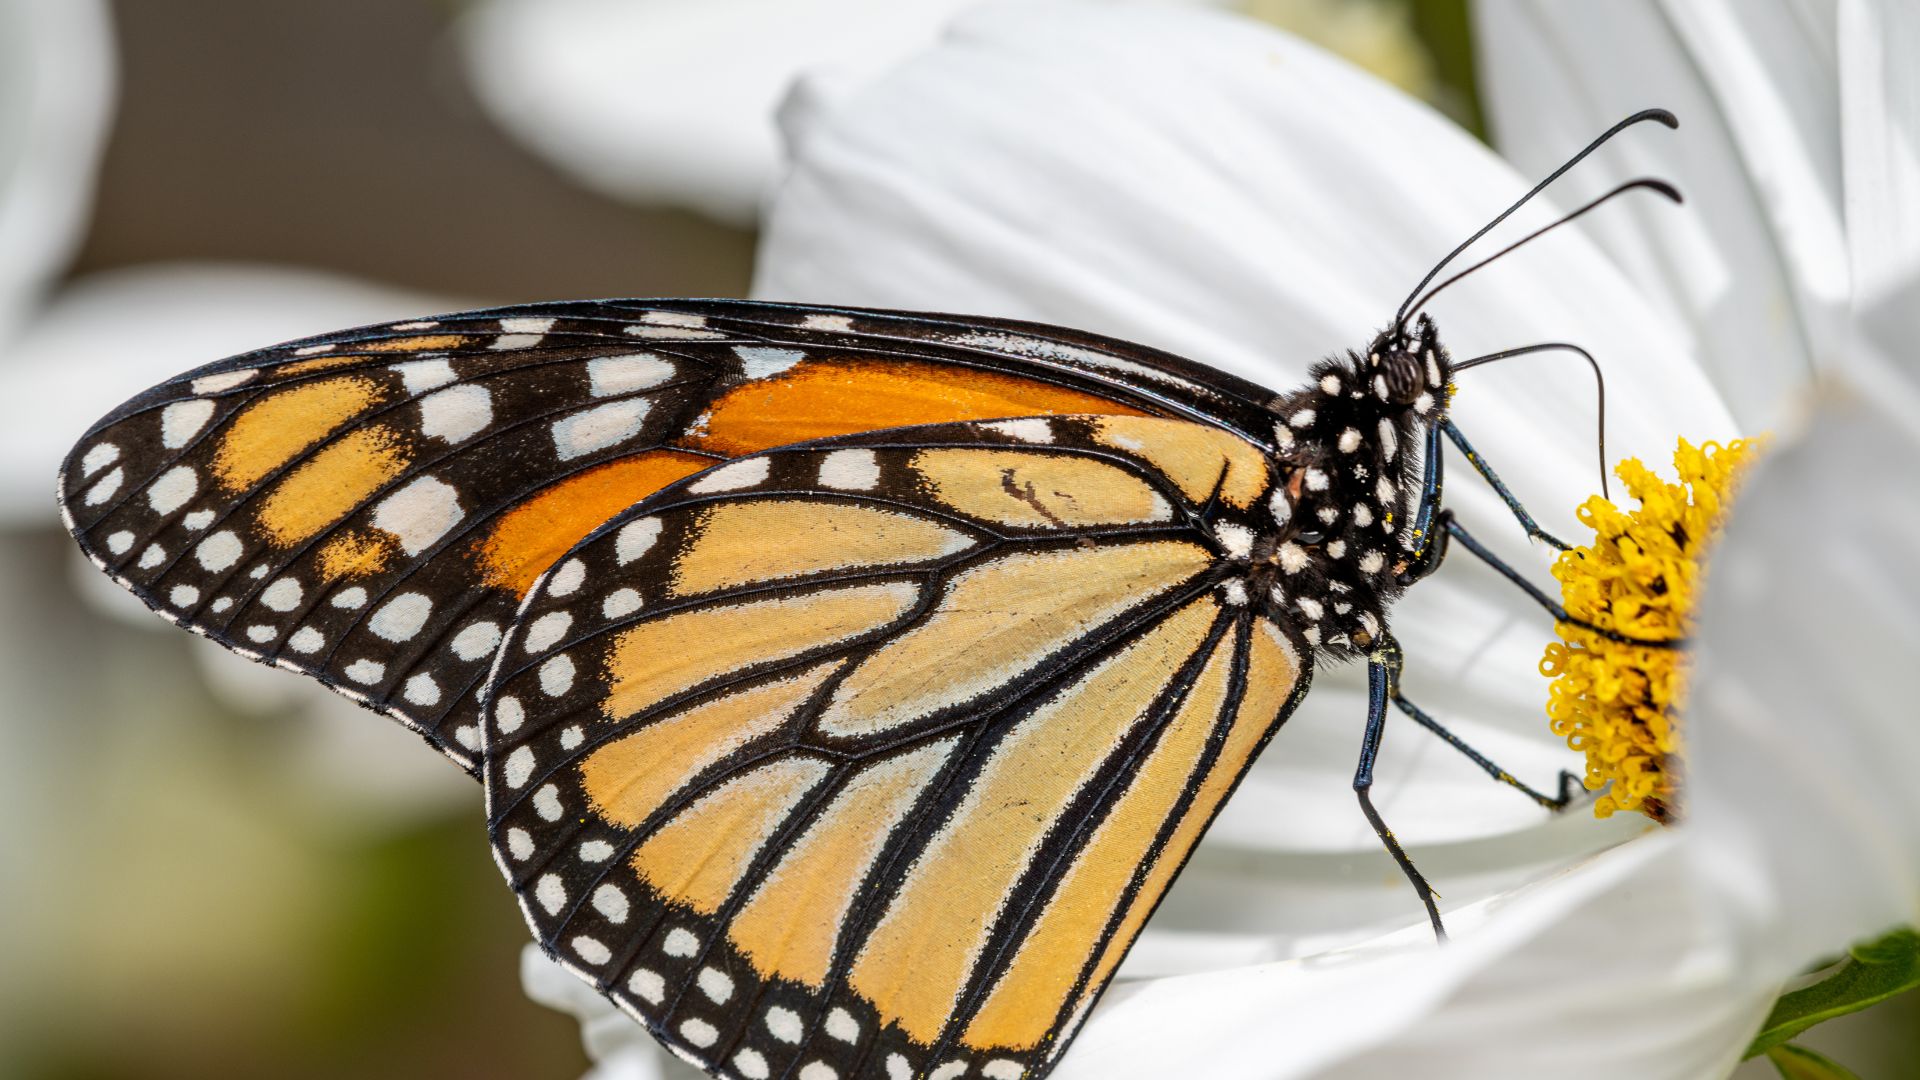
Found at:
[1347, 451]
[1407, 369]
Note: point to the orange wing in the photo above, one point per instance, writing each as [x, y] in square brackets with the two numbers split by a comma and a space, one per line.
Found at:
[369, 507]
[870, 757]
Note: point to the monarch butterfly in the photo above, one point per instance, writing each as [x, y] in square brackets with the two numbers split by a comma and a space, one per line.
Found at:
[847, 686]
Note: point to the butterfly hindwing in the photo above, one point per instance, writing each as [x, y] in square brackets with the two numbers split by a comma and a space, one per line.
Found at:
[370, 507]
[869, 757]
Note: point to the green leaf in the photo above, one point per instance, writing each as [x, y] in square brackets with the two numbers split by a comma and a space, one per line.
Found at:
[1800, 1063]
[1875, 971]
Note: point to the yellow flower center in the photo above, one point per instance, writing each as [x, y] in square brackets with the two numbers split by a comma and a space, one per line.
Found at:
[1619, 704]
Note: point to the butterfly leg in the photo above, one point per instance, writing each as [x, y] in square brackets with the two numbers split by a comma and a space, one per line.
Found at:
[1553, 607]
[1570, 785]
[1383, 677]
[1534, 531]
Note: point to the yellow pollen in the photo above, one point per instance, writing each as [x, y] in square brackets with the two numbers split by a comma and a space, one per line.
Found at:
[1619, 704]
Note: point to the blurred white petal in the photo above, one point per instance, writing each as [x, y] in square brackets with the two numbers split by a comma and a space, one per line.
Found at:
[1154, 174]
[1598, 971]
[666, 100]
[673, 101]
[620, 1048]
[1803, 732]
[56, 104]
[1757, 266]
[108, 337]
[1880, 146]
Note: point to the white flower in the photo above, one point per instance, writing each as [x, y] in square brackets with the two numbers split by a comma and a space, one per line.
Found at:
[1197, 184]
[673, 101]
[71, 351]
[56, 98]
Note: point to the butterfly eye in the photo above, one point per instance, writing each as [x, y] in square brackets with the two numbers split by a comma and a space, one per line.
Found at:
[1311, 537]
[1403, 376]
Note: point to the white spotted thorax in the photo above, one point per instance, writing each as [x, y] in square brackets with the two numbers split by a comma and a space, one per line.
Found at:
[1328, 559]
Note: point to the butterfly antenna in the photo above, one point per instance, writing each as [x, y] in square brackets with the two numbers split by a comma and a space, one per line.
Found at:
[1662, 115]
[1599, 385]
[1660, 186]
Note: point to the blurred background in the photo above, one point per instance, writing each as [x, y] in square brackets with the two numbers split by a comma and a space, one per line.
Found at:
[210, 868]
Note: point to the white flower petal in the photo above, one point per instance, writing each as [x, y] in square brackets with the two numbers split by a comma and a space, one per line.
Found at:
[1157, 175]
[621, 1048]
[1548, 978]
[1803, 738]
[56, 103]
[1757, 266]
[670, 100]
[110, 336]
[1880, 144]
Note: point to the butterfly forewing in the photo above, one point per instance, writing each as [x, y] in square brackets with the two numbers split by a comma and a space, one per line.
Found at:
[371, 507]
[869, 757]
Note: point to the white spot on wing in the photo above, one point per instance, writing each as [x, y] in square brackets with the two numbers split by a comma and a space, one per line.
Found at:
[850, 470]
[682, 943]
[1030, 429]
[612, 376]
[556, 675]
[635, 539]
[456, 413]
[550, 892]
[647, 986]
[784, 1023]
[419, 513]
[283, 595]
[827, 322]
[182, 420]
[366, 672]
[620, 603]
[518, 767]
[508, 715]
[751, 1064]
[173, 489]
[760, 361]
[716, 984]
[476, 640]
[226, 380]
[104, 490]
[219, 551]
[841, 1025]
[419, 376]
[673, 318]
[609, 901]
[599, 427]
[732, 476]
[547, 630]
[566, 579]
[422, 690]
[401, 617]
[699, 1032]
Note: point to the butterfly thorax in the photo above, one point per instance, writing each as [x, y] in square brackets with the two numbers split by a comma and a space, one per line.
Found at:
[1349, 443]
